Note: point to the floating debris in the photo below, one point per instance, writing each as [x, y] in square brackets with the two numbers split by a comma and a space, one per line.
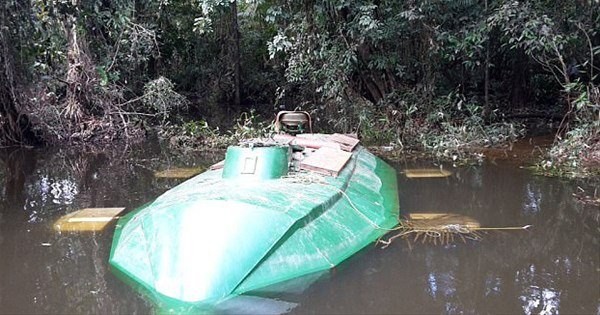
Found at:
[442, 228]
[426, 173]
[178, 172]
[88, 219]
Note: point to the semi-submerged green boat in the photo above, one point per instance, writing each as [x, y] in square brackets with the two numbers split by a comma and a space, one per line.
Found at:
[276, 210]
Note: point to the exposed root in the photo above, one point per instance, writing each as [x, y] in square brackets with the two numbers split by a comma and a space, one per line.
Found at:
[441, 237]
[440, 229]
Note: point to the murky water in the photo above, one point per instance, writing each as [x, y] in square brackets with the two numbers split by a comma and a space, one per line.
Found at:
[553, 268]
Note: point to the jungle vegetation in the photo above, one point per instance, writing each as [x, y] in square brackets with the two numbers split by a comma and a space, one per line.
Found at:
[439, 75]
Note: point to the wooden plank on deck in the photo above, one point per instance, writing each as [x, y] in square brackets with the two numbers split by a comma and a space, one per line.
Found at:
[346, 142]
[326, 160]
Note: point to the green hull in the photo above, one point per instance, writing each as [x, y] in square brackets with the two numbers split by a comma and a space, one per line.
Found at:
[211, 238]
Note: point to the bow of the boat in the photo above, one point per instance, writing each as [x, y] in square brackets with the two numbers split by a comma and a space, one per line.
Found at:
[190, 255]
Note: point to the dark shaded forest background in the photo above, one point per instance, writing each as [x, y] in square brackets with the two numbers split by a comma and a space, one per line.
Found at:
[439, 75]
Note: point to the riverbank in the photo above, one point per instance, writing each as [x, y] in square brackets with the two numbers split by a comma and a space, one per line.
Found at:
[571, 157]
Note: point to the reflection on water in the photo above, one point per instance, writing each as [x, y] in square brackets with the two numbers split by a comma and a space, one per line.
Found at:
[553, 268]
[535, 299]
[533, 197]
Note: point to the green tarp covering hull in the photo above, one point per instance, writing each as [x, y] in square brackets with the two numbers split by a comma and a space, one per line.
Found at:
[210, 238]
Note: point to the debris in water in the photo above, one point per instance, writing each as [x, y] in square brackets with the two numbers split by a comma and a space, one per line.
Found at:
[88, 219]
[426, 173]
[441, 228]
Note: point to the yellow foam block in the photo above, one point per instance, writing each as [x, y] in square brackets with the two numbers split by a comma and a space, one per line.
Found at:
[179, 172]
[426, 173]
[442, 220]
[88, 219]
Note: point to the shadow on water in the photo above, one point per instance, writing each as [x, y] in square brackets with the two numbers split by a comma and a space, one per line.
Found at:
[553, 268]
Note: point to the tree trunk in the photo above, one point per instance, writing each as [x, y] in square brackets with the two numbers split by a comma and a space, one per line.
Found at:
[519, 82]
[486, 83]
[14, 124]
[236, 54]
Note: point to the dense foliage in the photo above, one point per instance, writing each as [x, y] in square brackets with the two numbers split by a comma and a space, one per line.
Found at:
[436, 74]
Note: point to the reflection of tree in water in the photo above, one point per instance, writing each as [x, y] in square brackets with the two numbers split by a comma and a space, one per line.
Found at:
[543, 271]
[18, 165]
[69, 180]
[2, 198]
[43, 271]
[561, 254]
[536, 270]
[550, 268]
[76, 279]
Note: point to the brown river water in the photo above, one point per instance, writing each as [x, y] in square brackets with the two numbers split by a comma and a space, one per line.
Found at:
[552, 268]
